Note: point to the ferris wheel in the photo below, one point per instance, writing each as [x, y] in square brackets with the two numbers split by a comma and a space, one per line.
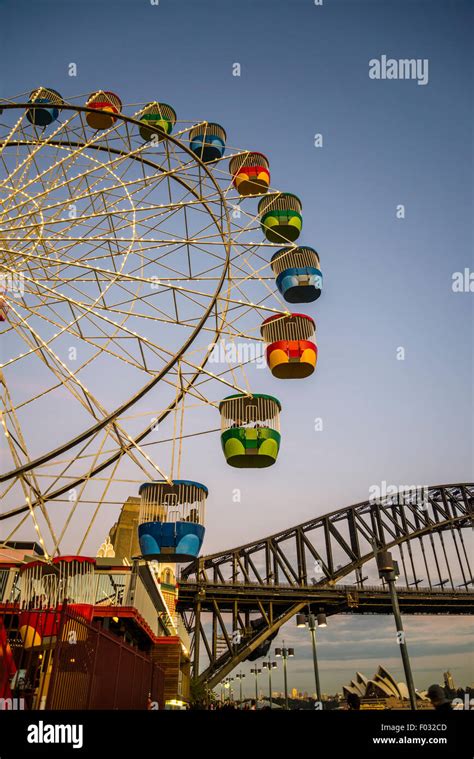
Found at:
[135, 249]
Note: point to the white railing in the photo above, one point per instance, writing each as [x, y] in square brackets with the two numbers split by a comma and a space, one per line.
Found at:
[115, 589]
[112, 588]
[145, 606]
[9, 585]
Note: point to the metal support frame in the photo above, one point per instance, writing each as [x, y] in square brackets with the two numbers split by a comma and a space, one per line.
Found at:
[256, 588]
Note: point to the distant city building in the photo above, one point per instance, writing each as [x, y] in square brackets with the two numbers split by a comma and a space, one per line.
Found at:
[449, 681]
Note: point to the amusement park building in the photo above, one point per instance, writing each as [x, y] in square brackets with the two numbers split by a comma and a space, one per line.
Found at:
[130, 648]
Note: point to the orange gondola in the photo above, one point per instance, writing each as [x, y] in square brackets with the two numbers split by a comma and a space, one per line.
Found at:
[291, 351]
[106, 105]
[250, 173]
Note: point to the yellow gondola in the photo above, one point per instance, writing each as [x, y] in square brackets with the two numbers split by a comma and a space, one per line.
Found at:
[250, 173]
[106, 105]
[291, 351]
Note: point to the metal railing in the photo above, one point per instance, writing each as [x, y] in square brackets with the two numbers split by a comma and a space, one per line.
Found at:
[316, 586]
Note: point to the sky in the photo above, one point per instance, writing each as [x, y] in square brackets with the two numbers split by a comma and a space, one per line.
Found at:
[387, 280]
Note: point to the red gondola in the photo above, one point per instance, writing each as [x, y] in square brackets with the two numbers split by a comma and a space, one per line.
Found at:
[250, 173]
[291, 350]
[105, 105]
[45, 587]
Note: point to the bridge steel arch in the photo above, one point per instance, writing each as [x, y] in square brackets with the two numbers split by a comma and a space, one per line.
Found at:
[234, 602]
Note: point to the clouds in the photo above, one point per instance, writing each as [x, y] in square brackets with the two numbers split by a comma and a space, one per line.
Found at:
[353, 643]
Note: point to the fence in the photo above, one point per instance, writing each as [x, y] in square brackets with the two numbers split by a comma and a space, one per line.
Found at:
[64, 662]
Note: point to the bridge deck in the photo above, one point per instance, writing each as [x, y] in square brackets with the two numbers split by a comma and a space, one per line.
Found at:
[339, 599]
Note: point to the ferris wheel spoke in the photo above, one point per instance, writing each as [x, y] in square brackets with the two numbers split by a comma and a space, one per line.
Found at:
[112, 277]
[98, 316]
[137, 183]
[37, 144]
[84, 484]
[103, 346]
[104, 464]
[68, 380]
[127, 445]
[88, 194]
[18, 449]
[5, 544]
[100, 502]
[106, 420]
[114, 309]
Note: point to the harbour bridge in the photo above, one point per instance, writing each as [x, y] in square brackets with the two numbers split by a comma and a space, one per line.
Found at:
[234, 602]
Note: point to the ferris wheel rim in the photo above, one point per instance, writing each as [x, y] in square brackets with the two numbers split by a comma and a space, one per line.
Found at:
[213, 299]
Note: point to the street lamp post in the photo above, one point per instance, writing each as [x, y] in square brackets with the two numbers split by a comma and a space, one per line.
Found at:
[227, 684]
[313, 622]
[285, 653]
[240, 677]
[388, 571]
[269, 665]
[256, 671]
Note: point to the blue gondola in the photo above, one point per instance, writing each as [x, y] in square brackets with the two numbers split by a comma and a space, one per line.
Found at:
[297, 274]
[171, 521]
[207, 141]
[44, 116]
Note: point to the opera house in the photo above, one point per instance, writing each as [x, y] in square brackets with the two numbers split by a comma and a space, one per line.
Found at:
[383, 690]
